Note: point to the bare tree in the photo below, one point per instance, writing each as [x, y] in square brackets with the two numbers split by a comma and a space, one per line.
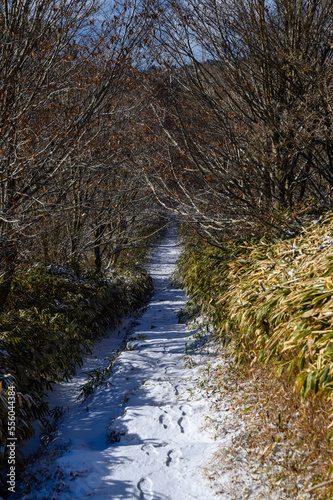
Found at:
[243, 102]
[64, 67]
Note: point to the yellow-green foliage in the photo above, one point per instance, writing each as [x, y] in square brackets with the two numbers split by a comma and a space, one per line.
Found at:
[48, 327]
[272, 300]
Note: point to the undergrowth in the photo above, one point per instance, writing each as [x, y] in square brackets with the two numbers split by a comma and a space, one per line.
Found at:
[271, 303]
[281, 438]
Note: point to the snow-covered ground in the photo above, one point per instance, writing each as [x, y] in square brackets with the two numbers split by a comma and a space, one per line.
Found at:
[143, 433]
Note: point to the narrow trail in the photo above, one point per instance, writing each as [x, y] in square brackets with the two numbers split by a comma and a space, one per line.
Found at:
[142, 434]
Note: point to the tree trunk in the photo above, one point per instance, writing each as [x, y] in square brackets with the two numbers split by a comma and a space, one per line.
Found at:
[9, 254]
[97, 248]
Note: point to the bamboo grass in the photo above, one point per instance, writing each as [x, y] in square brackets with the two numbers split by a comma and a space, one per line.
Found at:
[272, 302]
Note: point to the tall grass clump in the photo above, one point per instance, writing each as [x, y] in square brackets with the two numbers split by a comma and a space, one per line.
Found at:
[271, 302]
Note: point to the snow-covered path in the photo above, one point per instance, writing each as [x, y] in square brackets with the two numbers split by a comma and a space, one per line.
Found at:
[142, 434]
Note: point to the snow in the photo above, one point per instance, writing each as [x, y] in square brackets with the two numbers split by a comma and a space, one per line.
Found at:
[146, 432]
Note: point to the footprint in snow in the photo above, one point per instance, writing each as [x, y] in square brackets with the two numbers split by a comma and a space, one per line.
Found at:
[148, 448]
[169, 370]
[145, 486]
[166, 420]
[182, 408]
[180, 422]
[162, 420]
[173, 456]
